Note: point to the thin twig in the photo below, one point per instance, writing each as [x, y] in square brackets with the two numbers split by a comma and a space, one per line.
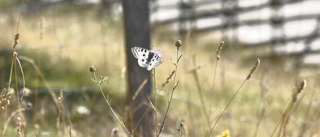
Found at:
[139, 89]
[10, 117]
[218, 51]
[23, 79]
[174, 85]
[106, 98]
[39, 72]
[196, 79]
[234, 95]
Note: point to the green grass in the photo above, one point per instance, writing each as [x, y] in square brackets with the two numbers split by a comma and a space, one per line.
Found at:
[72, 41]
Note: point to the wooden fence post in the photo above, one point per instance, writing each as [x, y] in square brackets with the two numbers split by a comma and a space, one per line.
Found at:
[137, 33]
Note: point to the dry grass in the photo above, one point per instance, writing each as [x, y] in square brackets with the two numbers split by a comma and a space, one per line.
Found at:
[86, 40]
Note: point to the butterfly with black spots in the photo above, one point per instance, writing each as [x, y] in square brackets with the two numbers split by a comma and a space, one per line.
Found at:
[148, 59]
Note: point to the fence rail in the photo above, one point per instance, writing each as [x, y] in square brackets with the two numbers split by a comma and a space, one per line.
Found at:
[229, 12]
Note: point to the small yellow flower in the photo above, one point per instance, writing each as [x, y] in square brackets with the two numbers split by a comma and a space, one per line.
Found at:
[225, 133]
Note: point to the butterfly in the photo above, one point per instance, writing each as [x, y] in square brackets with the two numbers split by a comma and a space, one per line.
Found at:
[147, 58]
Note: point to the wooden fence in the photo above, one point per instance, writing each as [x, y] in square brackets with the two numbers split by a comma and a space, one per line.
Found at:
[229, 13]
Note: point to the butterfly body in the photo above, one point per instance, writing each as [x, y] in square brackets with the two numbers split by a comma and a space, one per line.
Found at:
[146, 58]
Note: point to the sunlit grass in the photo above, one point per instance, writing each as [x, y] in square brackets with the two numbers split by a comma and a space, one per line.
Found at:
[77, 41]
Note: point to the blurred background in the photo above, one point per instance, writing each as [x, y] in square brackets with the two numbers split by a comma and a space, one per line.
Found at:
[60, 40]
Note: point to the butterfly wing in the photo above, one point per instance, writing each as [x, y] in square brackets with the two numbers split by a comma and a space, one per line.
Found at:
[154, 62]
[141, 54]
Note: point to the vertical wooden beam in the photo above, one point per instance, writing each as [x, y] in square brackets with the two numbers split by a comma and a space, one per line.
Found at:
[137, 33]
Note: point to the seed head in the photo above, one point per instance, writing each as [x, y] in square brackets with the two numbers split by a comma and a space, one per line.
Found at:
[302, 85]
[16, 36]
[60, 98]
[219, 49]
[19, 126]
[115, 132]
[15, 54]
[168, 78]
[178, 43]
[16, 39]
[93, 69]
[29, 106]
[253, 68]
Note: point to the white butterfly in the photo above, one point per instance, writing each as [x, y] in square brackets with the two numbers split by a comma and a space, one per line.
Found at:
[147, 58]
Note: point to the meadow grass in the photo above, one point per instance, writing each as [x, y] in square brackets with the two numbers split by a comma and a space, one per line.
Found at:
[74, 41]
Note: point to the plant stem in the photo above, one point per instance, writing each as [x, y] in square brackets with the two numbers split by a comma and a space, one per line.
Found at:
[106, 98]
[156, 99]
[174, 85]
[234, 95]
